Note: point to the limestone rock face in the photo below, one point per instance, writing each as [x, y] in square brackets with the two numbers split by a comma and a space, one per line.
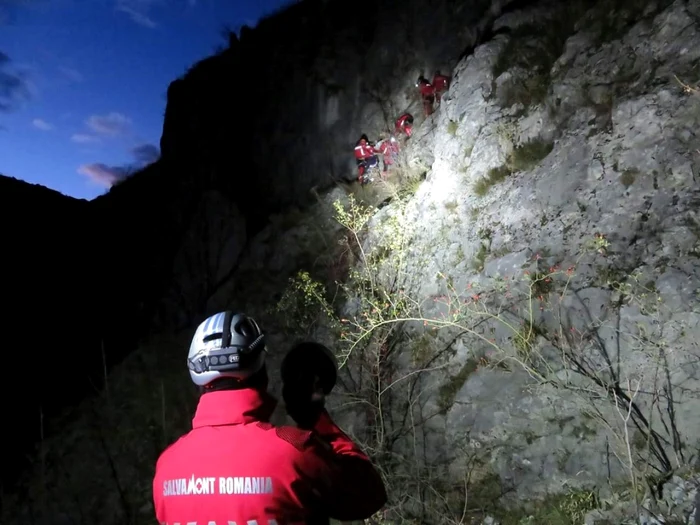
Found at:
[601, 141]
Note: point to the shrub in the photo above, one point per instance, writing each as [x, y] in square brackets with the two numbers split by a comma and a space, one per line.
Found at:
[529, 321]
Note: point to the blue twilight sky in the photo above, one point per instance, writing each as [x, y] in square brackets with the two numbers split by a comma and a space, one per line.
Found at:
[83, 82]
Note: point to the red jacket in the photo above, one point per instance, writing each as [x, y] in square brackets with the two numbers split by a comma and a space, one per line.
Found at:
[388, 147]
[235, 467]
[363, 151]
[426, 88]
[441, 83]
[404, 120]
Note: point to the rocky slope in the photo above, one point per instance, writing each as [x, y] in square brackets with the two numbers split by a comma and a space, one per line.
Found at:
[590, 165]
[520, 327]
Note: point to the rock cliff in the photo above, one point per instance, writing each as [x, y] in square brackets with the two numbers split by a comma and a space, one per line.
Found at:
[276, 113]
[515, 306]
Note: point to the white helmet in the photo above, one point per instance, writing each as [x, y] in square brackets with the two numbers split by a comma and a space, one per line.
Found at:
[226, 344]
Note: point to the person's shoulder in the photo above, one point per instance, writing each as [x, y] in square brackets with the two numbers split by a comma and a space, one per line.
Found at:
[283, 428]
[293, 437]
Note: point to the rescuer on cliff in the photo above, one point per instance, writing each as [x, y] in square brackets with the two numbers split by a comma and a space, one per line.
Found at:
[366, 159]
[404, 124]
[427, 93]
[236, 467]
[441, 84]
[388, 147]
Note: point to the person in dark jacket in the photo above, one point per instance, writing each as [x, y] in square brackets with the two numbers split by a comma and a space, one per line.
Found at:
[234, 466]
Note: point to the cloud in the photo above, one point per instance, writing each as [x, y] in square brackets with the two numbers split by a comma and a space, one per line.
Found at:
[83, 138]
[112, 124]
[108, 176]
[104, 175]
[146, 153]
[138, 11]
[14, 86]
[71, 74]
[41, 124]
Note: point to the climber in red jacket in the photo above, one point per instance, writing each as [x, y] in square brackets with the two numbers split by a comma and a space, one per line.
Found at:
[366, 158]
[363, 148]
[404, 124]
[236, 467]
[388, 147]
[441, 83]
[427, 93]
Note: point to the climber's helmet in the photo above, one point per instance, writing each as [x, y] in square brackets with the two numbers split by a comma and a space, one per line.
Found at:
[227, 344]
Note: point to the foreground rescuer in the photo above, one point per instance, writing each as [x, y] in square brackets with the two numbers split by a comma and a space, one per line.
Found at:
[234, 467]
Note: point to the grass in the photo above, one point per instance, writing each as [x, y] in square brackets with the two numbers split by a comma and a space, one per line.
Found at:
[480, 258]
[488, 491]
[628, 177]
[564, 509]
[532, 91]
[528, 155]
[451, 206]
[459, 256]
[523, 158]
[448, 391]
[410, 187]
[495, 175]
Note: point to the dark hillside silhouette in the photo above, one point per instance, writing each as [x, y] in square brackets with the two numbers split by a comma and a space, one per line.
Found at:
[50, 285]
